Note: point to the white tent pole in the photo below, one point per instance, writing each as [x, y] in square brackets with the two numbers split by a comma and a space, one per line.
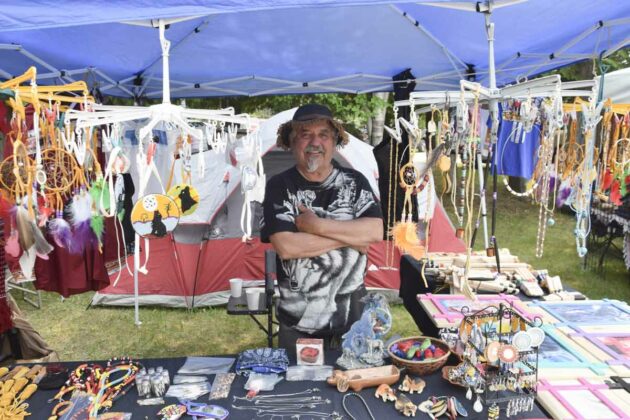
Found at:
[616, 47]
[166, 45]
[136, 263]
[494, 115]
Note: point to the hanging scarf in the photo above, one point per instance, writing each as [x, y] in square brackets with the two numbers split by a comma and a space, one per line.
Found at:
[5, 312]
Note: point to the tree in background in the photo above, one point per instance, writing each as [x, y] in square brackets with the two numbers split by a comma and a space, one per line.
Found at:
[354, 110]
[584, 69]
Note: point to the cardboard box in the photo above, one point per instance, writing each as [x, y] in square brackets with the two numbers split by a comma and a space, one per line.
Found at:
[310, 351]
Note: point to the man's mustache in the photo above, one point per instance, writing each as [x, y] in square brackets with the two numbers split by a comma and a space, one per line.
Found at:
[314, 149]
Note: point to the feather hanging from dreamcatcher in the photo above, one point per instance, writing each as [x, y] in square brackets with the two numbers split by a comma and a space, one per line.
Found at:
[12, 243]
[60, 231]
[24, 229]
[406, 239]
[97, 223]
[100, 205]
[615, 193]
[12, 246]
[98, 188]
[42, 247]
[81, 210]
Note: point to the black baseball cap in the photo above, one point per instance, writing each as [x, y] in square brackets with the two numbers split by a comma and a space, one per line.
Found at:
[311, 112]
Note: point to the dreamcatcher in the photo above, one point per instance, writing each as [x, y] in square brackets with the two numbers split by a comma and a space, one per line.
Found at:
[618, 160]
[404, 232]
[17, 178]
[442, 133]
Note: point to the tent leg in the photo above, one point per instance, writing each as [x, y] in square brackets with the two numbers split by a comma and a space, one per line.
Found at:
[180, 271]
[201, 248]
[136, 263]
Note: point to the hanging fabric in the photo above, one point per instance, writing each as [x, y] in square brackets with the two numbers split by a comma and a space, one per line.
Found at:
[5, 312]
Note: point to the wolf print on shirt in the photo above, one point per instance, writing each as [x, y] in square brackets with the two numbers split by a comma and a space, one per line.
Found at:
[316, 292]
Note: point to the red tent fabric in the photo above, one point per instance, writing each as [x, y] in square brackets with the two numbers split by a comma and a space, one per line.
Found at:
[179, 272]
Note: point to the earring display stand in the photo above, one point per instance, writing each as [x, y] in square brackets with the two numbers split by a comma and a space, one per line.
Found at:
[507, 370]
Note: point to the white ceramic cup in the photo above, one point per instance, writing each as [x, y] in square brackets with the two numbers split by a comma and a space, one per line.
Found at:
[236, 287]
[252, 298]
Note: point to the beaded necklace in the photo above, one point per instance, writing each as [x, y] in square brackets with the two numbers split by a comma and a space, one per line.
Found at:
[586, 175]
[103, 385]
[392, 195]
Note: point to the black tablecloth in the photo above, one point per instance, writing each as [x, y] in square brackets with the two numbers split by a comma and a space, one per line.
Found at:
[41, 408]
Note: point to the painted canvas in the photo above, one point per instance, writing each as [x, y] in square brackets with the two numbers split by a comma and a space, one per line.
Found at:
[155, 215]
[588, 312]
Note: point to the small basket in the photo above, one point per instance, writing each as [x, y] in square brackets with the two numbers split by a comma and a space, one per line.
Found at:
[421, 367]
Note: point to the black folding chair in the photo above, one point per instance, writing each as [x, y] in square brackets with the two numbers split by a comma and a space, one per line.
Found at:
[238, 306]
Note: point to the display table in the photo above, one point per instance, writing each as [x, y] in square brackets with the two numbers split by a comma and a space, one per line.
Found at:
[40, 408]
[411, 286]
[611, 226]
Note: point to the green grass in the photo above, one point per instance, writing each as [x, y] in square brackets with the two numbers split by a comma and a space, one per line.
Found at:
[100, 333]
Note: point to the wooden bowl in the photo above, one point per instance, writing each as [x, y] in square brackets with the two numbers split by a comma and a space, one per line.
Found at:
[421, 367]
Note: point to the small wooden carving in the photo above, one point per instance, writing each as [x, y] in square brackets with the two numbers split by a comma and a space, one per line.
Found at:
[405, 406]
[411, 385]
[385, 392]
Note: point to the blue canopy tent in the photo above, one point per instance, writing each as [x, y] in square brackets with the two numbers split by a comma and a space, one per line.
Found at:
[263, 47]
[259, 47]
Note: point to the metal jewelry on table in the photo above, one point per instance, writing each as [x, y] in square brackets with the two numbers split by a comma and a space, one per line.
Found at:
[367, 408]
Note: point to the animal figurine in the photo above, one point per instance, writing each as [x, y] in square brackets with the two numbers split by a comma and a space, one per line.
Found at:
[385, 392]
[411, 385]
[405, 406]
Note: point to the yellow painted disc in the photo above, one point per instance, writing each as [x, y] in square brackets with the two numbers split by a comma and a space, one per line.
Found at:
[155, 215]
[186, 197]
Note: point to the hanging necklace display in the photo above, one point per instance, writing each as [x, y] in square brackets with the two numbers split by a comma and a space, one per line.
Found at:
[581, 202]
[551, 135]
[395, 138]
[458, 194]
[444, 163]
[471, 142]
[185, 195]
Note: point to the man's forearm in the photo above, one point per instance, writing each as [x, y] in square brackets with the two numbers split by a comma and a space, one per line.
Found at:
[290, 245]
[357, 233]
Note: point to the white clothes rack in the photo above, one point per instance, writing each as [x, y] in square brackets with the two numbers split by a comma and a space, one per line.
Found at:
[172, 115]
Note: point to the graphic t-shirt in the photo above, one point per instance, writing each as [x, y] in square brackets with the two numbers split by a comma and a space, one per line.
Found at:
[318, 293]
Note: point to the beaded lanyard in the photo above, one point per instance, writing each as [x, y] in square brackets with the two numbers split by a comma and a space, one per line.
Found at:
[581, 202]
[392, 193]
[551, 133]
[470, 147]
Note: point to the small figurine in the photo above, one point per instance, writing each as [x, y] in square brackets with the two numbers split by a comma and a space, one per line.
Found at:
[362, 345]
[385, 392]
[412, 385]
[405, 406]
